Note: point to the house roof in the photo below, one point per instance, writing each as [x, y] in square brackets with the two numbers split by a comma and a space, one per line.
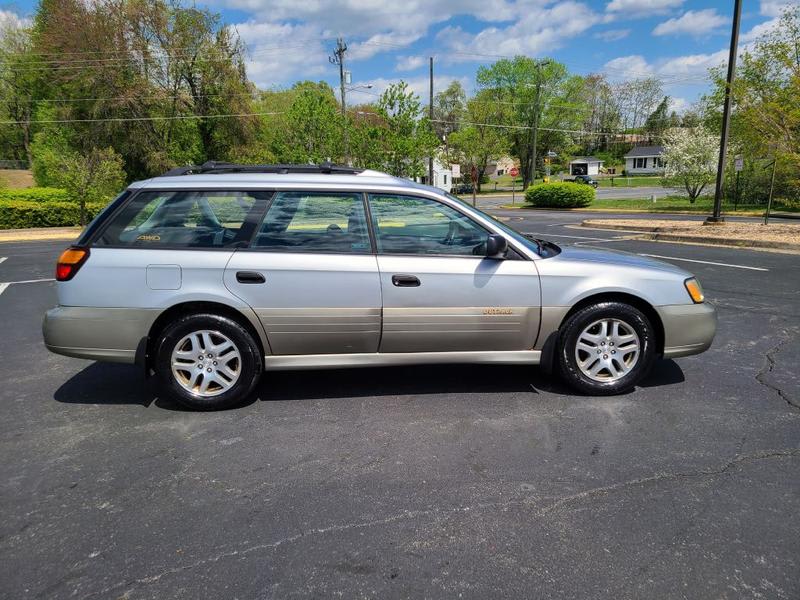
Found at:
[637, 151]
[585, 159]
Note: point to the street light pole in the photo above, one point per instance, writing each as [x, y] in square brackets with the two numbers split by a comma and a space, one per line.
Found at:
[726, 115]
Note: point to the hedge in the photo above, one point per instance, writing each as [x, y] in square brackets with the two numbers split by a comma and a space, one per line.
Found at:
[560, 195]
[20, 214]
[35, 194]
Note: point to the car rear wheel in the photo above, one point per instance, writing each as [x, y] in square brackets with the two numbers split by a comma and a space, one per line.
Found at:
[207, 362]
[606, 348]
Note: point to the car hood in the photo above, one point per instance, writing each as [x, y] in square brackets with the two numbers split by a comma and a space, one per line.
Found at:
[617, 258]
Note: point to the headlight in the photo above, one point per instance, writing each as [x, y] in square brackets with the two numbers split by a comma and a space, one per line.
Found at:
[694, 289]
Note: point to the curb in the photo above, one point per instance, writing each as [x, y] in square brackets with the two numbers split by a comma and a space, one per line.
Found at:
[39, 233]
[659, 234]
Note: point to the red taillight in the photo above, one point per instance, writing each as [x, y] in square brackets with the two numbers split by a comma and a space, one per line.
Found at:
[69, 262]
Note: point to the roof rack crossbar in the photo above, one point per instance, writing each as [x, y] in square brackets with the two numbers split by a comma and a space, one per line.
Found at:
[223, 167]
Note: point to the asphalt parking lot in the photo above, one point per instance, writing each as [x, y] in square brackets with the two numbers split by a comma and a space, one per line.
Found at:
[428, 482]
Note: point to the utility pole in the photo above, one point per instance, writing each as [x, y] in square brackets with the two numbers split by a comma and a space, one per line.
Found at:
[430, 113]
[338, 59]
[537, 111]
[726, 115]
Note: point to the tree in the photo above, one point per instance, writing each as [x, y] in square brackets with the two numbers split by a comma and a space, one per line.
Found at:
[20, 89]
[690, 156]
[448, 109]
[313, 130]
[95, 177]
[766, 119]
[637, 98]
[539, 98]
[480, 139]
[406, 139]
[660, 120]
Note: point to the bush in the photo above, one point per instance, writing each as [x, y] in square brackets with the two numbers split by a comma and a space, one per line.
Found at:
[35, 194]
[21, 214]
[560, 195]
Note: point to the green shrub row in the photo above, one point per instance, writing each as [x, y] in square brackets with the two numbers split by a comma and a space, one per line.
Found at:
[35, 194]
[21, 214]
[560, 195]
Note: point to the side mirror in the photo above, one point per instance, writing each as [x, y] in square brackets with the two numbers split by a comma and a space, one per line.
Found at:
[496, 246]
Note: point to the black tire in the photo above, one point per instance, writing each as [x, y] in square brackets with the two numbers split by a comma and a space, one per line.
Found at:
[568, 339]
[250, 363]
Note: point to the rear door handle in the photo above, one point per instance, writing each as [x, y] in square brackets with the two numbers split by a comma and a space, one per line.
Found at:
[250, 277]
[405, 281]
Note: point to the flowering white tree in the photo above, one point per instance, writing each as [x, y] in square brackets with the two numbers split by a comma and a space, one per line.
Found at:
[690, 154]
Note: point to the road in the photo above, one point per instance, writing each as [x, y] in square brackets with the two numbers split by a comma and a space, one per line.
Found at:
[442, 482]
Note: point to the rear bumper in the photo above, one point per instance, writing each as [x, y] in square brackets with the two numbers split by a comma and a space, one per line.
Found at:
[106, 334]
[688, 328]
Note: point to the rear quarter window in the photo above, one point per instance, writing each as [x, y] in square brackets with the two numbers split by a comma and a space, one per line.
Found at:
[185, 219]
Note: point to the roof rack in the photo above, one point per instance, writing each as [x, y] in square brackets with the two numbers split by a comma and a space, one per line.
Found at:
[223, 167]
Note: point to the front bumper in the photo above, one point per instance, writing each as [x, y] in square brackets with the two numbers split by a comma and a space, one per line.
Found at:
[688, 328]
[106, 334]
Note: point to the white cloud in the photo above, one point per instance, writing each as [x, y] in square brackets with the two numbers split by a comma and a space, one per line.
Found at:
[758, 31]
[282, 53]
[628, 67]
[690, 68]
[692, 22]
[11, 20]
[612, 35]
[538, 30]
[641, 8]
[410, 63]
[679, 105]
[380, 42]
[774, 8]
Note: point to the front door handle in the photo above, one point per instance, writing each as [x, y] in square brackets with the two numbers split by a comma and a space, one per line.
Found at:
[405, 281]
[250, 277]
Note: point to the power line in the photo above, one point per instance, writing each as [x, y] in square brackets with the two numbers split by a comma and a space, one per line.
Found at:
[124, 119]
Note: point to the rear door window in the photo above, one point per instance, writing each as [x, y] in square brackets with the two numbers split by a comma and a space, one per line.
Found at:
[324, 222]
[191, 219]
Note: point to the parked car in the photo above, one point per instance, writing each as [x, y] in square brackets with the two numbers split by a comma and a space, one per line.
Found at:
[585, 179]
[208, 276]
[464, 187]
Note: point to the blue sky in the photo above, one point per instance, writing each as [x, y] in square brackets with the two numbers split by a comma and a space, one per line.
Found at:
[389, 40]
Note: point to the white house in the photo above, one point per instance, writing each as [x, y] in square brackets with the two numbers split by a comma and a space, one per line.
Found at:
[645, 160]
[501, 166]
[585, 165]
[442, 176]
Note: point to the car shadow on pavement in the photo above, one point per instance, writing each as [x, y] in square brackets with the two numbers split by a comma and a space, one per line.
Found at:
[113, 384]
[107, 383]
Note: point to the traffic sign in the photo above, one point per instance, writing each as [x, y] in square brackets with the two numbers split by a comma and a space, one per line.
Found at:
[513, 171]
[739, 163]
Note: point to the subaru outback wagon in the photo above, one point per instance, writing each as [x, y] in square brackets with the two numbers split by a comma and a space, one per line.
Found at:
[208, 276]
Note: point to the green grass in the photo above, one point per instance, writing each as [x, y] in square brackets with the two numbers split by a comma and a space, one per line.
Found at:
[620, 181]
[681, 204]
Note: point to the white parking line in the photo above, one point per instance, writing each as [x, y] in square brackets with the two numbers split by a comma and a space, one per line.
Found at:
[3, 258]
[5, 284]
[706, 262]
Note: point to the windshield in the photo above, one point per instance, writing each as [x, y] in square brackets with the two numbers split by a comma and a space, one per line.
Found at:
[543, 248]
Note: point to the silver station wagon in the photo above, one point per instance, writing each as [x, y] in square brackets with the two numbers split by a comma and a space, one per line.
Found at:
[208, 276]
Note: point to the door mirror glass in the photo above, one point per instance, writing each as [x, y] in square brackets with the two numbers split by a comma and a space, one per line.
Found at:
[496, 246]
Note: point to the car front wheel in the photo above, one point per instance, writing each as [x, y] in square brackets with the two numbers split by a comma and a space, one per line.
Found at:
[207, 362]
[606, 348]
